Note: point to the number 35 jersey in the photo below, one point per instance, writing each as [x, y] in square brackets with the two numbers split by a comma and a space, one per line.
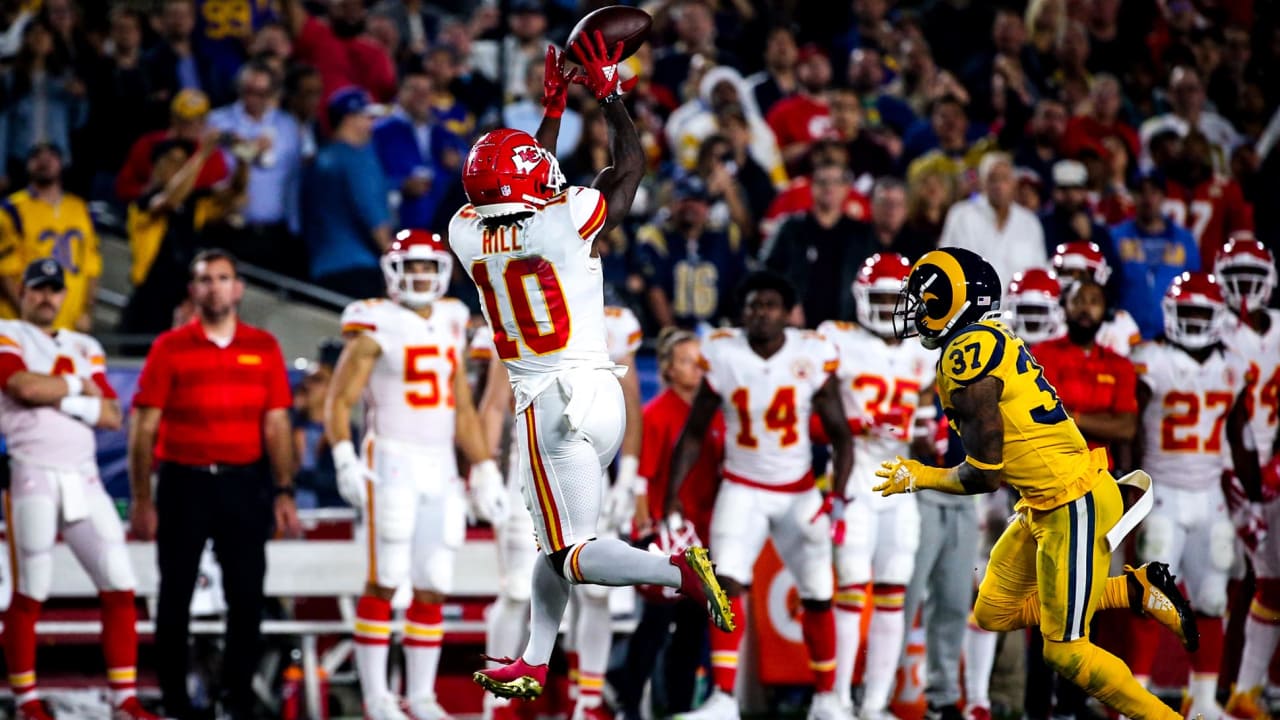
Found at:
[409, 396]
[1184, 422]
[1045, 457]
[880, 387]
[767, 402]
[542, 291]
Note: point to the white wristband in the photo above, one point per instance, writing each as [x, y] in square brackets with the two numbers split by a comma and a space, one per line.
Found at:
[344, 453]
[628, 468]
[641, 488]
[75, 385]
[85, 409]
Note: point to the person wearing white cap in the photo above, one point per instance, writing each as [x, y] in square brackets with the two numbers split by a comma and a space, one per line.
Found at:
[1068, 218]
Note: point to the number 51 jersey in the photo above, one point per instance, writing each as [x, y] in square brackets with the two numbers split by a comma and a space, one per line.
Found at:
[541, 289]
[1045, 457]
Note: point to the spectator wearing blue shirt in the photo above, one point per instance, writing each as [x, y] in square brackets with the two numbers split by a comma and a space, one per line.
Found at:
[879, 109]
[1153, 251]
[690, 271]
[526, 115]
[271, 216]
[345, 217]
[41, 101]
[421, 160]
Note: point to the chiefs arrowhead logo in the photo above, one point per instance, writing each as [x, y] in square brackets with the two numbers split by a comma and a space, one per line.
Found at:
[526, 158]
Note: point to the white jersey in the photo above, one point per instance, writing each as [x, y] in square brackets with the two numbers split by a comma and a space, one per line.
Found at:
[542, 291]
[880, 386]
[409, 397]
[1119, 334]
[622, 334]
[767, 403]
[46, 435]
[1261, 353]
[1184, 423]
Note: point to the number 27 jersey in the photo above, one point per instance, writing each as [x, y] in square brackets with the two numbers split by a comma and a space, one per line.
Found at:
[542, 292]
[767, 402]
[1045, 457]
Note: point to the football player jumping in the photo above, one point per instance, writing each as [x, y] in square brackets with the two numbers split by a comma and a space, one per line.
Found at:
[527, 239]
[402, 355]
[1050, 565]
[888, 398]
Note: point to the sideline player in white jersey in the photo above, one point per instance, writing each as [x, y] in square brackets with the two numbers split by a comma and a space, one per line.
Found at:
[1034, 306]
[1192, 413]
[887, 393]
[770, 379]
[402, 355]
[1075, 260]
[590, 633]
[527, 240]
[1246, 271]
[55, 392]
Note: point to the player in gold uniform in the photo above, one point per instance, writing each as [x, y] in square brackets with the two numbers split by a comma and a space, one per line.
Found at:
[1049, 568]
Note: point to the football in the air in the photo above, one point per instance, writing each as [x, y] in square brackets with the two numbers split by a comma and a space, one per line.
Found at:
[618, 24]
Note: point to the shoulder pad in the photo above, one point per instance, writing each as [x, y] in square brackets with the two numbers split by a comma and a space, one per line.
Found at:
[722, 334]
[974, 353]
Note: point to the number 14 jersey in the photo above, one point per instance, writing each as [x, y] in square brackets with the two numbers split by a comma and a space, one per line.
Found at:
[767, 402]
[1045, 457]
[541, 290]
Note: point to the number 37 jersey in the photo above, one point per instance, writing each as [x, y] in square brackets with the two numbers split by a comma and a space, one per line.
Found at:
[542, 291]
[1045, 457]
[409, 396]
[767, 402]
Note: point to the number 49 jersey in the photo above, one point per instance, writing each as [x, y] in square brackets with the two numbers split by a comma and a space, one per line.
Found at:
[542, 291]
[1045, 457]
[1184, 423]
[767, 404]
[1261, 353]
[409, 397]
[880, 386]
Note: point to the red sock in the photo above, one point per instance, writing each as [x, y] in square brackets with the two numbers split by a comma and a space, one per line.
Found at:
[120, 643]
[724, 649]
[424, 625]
[20, 646]
[1145, 634]
[376, 614]
[1208, 658]
[820, 637]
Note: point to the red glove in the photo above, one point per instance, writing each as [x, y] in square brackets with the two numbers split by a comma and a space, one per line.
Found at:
[600, 66]
[834, 507]
[555, 83]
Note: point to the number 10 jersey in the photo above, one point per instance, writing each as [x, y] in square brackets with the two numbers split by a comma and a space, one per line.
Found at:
[1045, 457]
[541, 289]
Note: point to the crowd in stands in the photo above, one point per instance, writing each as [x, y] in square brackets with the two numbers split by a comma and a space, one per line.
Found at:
[801, 136]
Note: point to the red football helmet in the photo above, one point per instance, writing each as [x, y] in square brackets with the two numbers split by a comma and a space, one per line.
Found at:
[1034, 305]
[668, 541]
[1194, 310]
[508, 172]
[1075, 260]
[875, 291]
[1246, 269]
[417, 289]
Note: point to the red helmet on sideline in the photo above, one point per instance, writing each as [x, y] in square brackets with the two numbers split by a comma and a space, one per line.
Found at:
[1194, 310]
[508, 172]
[1034, 306]
[406, 287]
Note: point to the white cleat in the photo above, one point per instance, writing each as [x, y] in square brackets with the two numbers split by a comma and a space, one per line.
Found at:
[881, 714]
[717, 707]
[426, 708]
[387, 707]
[827, 706]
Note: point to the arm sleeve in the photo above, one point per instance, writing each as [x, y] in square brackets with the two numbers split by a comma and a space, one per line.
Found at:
[156, 378]
[973, 355]
[588, 210]
[362, 317]
[10, 360]
[98, 365]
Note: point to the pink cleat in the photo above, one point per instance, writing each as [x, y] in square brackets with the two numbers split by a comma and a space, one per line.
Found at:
[516, 679]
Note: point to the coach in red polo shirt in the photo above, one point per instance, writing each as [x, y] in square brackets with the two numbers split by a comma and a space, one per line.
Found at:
[1097, 386]
[211, 418]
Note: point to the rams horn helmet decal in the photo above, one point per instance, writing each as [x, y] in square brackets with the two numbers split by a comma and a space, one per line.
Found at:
[946, 291]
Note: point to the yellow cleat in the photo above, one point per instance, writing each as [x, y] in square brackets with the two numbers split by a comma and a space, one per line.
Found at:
[1154, 593]
[1247, 705]
[698, 582]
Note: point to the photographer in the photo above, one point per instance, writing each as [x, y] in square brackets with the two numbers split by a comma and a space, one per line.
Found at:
[267, 140]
